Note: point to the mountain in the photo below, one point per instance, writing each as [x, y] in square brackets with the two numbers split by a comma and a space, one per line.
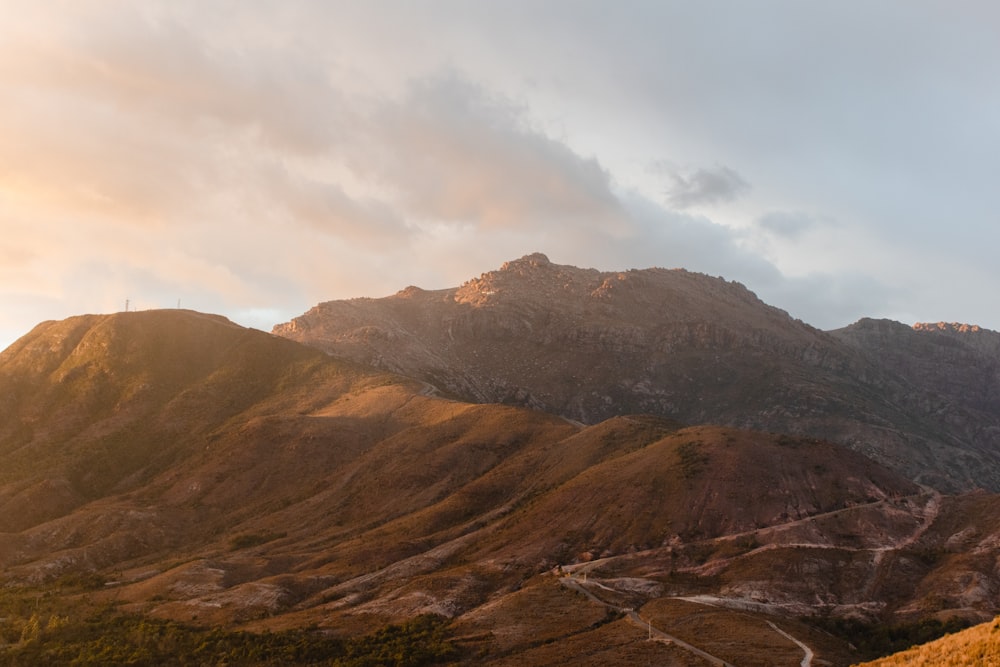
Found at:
[167, 427]
[590, 345]
[177, 466]
[947, 372]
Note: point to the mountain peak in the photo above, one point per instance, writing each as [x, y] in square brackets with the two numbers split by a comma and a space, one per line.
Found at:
[583, 343]
[534, 260]
[588, 345]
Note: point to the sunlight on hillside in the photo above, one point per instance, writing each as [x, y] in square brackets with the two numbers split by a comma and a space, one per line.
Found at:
[975, 647]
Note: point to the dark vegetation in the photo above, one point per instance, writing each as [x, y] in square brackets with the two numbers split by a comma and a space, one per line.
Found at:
[875, 640]
[31, 633]
[693, 461]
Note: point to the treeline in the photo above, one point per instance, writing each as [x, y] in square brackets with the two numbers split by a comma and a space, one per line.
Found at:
[111, 638]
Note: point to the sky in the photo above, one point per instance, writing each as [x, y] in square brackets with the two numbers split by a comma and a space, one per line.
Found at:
[255, 158]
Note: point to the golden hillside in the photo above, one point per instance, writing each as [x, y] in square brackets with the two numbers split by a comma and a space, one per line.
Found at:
[978, 646]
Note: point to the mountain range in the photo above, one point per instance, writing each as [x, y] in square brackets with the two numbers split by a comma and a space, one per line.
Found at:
[563, 464]
[590, 345]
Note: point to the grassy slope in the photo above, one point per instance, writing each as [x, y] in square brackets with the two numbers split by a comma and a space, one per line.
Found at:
[978, 646]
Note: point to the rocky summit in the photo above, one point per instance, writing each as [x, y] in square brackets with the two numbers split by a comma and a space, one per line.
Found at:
[589, 345]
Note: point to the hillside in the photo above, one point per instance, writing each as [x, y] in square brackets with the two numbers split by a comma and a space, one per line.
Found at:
[183, 468]
[133, 434]
[950, 372]
[974, 647]
[97, 406]
[590, 345]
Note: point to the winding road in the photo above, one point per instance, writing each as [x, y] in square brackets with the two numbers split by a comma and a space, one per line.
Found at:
[928, 512]
[570, 581]
[633, 616]
[807, 660]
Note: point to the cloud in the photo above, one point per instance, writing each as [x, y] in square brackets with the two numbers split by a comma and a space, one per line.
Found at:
[834, 300]
[254, 157]
[193, 121]
[676, 239]
[321, 204]
[453, 152]
[717, 185]
[786, 224]
[243, 178]
[171, 73]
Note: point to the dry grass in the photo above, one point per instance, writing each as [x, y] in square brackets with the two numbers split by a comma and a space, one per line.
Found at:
[232, 476]
[542, 612]
[742, 638]
[616, 644]
[978, 646]
[546, 623]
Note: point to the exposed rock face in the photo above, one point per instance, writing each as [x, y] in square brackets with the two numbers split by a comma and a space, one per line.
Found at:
[958, 364]
[581, 343]
[949, 375]
[589, 345]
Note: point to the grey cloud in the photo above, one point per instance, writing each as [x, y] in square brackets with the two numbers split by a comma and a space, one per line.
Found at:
[705, 186]
[830, 301]
[455, 153]
[786, 224]
[675, 239]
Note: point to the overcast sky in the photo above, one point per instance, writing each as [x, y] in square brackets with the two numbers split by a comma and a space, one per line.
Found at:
[255, 158]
